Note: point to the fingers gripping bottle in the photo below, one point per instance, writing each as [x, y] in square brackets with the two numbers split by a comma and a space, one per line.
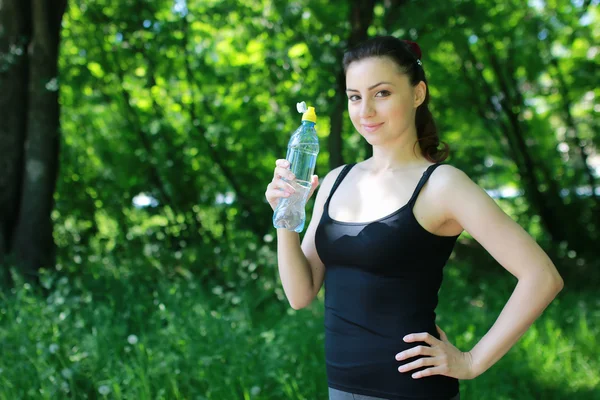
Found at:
[303, 148]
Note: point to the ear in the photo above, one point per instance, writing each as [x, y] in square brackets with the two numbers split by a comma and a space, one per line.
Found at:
[420, 91]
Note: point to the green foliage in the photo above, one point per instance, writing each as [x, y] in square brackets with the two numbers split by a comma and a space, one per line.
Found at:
[191, 102]
[96, 333]
[503, 70]
[177, 103]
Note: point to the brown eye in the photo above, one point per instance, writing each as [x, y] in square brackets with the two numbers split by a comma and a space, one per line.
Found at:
[353, 98]
[383, 93]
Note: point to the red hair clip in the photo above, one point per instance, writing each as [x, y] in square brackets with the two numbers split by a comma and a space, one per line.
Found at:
[415, 48]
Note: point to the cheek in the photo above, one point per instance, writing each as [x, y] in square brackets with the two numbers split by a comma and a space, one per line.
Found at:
[354, 113]
[400, 113]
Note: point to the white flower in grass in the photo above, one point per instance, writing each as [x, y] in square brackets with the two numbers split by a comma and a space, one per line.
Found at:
[255, 391]
[104, 390]
[66, 373]
[53, 348]
[132, 339]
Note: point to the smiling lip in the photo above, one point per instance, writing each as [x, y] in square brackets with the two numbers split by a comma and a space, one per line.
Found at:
[371, 127]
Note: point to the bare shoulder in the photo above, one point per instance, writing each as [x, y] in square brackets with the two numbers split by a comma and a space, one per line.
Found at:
[457, 195]
[469, 205]
[446, 177]
[333, 174]
[448, 183]
[330, 178]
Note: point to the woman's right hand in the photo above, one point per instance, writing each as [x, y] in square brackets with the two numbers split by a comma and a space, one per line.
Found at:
[278, 188]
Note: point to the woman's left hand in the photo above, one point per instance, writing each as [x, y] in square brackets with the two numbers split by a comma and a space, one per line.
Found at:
[442, 357]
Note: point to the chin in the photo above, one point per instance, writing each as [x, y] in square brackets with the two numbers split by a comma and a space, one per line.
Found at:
[373, 139]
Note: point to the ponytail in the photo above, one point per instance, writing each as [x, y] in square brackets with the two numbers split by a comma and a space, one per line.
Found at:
[427, 135]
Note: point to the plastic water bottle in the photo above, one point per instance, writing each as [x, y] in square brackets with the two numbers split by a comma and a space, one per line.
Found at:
[302, 152]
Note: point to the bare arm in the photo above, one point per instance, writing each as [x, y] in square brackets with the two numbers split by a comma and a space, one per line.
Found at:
[467, 204]
[300, 269]
[538, 280]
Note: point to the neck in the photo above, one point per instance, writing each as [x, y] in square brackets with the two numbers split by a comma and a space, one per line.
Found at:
[402, 155]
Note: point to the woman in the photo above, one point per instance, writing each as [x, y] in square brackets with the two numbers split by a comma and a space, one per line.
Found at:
[381, 233]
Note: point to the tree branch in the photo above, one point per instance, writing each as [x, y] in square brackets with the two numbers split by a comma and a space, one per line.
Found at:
[214, 154]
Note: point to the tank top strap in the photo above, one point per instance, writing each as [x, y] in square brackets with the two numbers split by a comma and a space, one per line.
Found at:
[339, 179]
[422, 183]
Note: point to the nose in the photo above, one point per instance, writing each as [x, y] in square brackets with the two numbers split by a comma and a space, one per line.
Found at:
[366, 109]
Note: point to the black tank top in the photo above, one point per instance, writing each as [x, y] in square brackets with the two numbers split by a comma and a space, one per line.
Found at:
[381, 283]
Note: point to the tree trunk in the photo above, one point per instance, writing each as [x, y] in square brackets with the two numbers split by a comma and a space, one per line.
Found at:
[29, 133]
[532, 185]
[572, 135]
[334, 141]
[14, 38]
[361, 17]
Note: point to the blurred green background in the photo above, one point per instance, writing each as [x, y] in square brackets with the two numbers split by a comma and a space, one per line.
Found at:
[137, 138]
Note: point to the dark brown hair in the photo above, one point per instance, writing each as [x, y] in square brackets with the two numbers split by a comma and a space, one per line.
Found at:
[406, 55]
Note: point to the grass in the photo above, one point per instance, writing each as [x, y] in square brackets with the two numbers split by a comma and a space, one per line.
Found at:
[98, 335]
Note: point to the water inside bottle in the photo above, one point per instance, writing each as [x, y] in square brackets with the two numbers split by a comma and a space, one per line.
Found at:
[302, 162]
[290, 212]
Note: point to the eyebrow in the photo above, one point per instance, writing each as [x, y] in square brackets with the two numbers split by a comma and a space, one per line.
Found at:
[372, 87]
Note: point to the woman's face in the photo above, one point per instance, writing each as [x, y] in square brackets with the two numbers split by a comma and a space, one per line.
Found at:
[381, 101]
